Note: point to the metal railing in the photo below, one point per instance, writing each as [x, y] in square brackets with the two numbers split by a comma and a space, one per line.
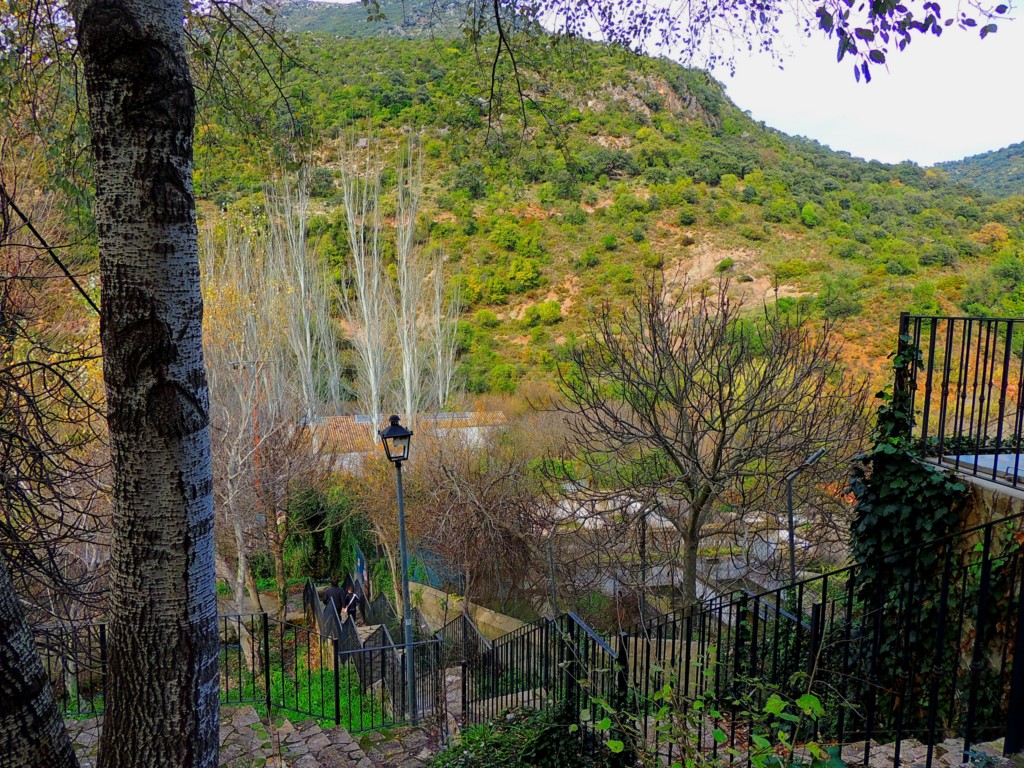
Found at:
[925, 655]
[275, 666]
[966, 392]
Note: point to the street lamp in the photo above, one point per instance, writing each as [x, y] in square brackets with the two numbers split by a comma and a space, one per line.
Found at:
[789, 508]
[396, 439]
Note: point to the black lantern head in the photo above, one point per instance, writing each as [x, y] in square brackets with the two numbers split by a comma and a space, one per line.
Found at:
[396, 441]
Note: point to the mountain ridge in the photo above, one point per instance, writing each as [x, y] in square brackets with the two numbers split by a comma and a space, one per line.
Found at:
[998, 172]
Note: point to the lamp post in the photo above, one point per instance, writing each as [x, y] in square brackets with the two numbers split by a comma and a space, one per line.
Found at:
[789, 508]
[396, 439]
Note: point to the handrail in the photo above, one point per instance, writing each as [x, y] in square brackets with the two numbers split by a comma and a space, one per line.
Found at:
[591, 633]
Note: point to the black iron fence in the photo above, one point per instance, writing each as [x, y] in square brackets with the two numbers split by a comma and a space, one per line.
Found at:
[967, 392]
[76, 663]
[922, 655]
[275, 666]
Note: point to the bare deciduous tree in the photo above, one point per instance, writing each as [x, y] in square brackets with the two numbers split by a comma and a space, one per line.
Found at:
[688, 405]
[368, 299]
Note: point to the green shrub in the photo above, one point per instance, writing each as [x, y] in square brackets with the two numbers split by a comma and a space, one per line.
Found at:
[521, 737]
[545, 313]
[588, 258]
[485, 318]
[724, 265]
[941, 254]
[687, 215]
[780, 211]
[812, 214]
[575, 216]
[790, 269]
[609, 242]
[503, 378]
[654, 260]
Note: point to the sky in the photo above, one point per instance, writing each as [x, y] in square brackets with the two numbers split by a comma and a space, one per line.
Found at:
[940, 99]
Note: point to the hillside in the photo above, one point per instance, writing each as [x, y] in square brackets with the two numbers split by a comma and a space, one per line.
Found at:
[410, 20]
[617, 166]
[1000, 172]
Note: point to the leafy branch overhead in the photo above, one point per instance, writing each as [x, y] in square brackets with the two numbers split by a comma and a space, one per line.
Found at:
[867, 30]
[714, 30]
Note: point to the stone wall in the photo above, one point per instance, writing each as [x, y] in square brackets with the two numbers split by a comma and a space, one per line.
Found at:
[433, 604]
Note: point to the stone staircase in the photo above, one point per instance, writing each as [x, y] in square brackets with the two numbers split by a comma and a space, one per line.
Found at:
[248, 742]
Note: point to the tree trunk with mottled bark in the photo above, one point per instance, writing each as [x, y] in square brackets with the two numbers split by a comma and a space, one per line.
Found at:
[32, 733]
[162, 688]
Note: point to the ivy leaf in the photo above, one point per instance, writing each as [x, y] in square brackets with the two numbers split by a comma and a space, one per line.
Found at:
[615, 746]
[811, 705]
[775, 705]
[604, 724]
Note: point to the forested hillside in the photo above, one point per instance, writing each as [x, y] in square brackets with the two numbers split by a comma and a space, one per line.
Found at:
[391, 18]
[1000, 172]
[614, 166]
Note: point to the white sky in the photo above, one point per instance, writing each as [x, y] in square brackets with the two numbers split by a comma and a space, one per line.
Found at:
[941, 99]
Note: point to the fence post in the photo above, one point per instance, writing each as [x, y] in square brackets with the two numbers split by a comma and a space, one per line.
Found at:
[266, 660]
[620, 703]
[980, 631]
[814, 641]
[571, 670]
[337, 682]
[103, 658]
[1014, 738]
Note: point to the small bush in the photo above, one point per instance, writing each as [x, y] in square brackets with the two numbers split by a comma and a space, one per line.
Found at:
[575, 216]
[687, 216]
[609, 242]
[724, 265]
[485, 318]
[543, 739]
[654, 260]
[545, 313]
[588, 259]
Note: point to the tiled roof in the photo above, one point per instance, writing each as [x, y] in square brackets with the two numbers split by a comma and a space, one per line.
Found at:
[341, 435]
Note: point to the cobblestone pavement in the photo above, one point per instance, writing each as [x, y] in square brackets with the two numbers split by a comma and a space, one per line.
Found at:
[248, 742]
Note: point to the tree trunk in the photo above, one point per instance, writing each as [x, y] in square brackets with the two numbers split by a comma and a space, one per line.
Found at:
[32, 733]
[282, 582]
[162, 689]
[691, 545]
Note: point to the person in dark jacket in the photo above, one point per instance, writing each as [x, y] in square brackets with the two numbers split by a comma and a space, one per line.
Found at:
[334, 594]
[354, 604]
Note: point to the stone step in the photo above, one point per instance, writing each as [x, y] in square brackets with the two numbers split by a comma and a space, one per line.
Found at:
[245, 740]
[404, 747]
[365, 631]
[307, 745]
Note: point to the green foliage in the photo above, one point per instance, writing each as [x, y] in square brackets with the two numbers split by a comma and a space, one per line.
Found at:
[902, 502]
[545, 313]
[486, 318]
[811, 215]
[1000, 172]
[497, 208]
[523, 738]
[725, 265]
[687, 215]
[324, 532]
